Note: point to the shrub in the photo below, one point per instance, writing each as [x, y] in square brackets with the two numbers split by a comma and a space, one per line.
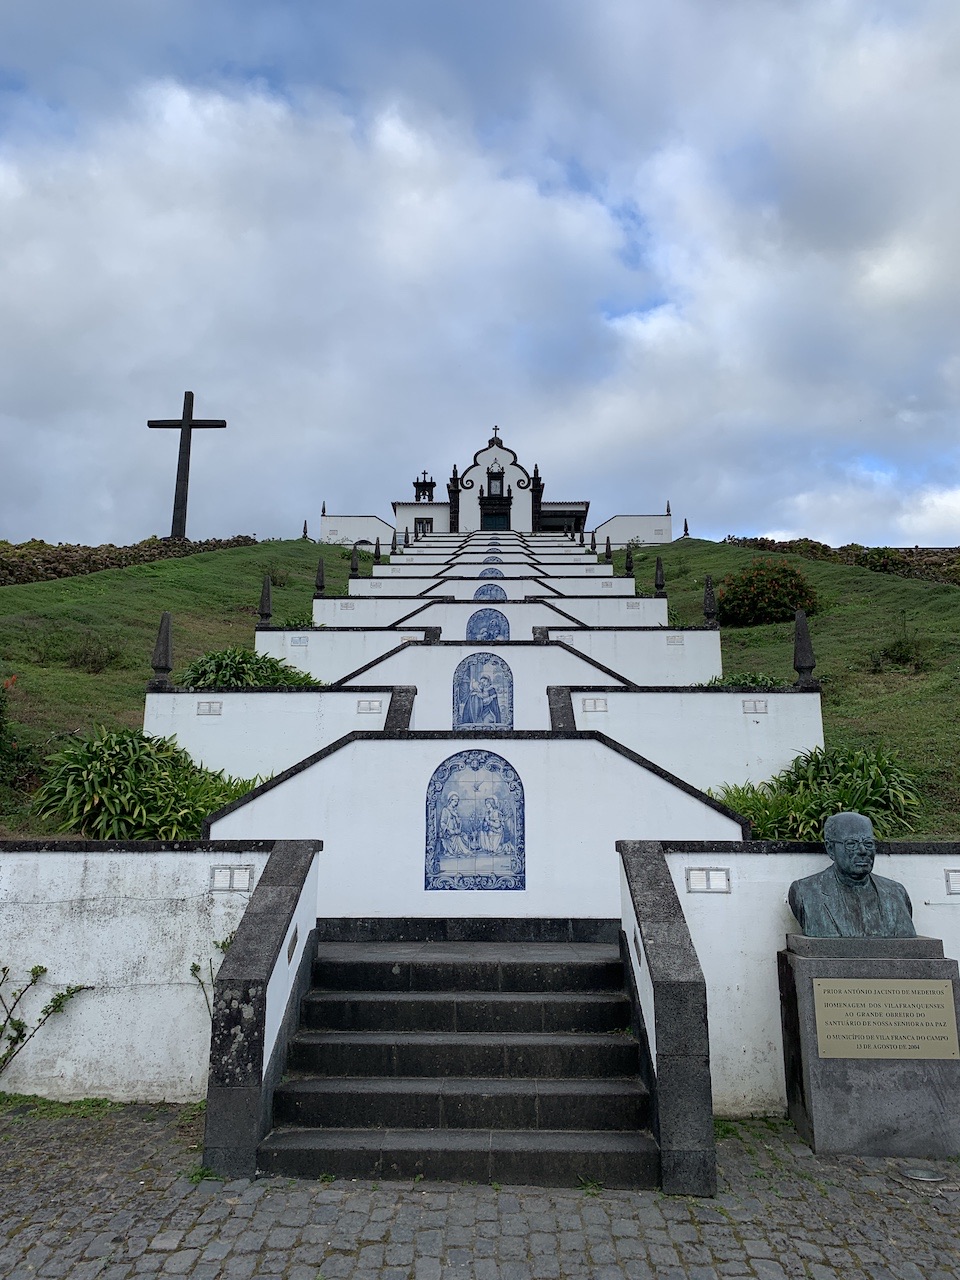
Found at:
[795, 803]
[239, 668]
[766, 591]
[128, 786]
[37, 561]
[94, 652]
[755, 680]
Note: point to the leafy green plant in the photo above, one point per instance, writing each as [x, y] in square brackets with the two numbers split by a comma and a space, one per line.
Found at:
[238, 668]
[907, 648]
[766, 591]
[128, 786]
[302, 621]
[795, 803]
[754, 680]
[93, 652]
[15, 1032]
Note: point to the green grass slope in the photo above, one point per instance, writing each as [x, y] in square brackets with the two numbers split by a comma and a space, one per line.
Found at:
[51, 633]
[867, 698]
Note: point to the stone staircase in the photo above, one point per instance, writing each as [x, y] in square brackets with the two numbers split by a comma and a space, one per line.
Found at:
[468, 1060]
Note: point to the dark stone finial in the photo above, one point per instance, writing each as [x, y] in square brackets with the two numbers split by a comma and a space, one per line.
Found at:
[686, 529]
[304, 535]
[593, 540]
[659, 582]
[376, 552]
[709, 603]
[265, 607]
[393, 543]
[406, 536]
[320, 583]
[608, 551]
[323, 509]
[354, 562]
[803, 659]
[162, 660]
[668, 506]
[628, 563]
[581, 537]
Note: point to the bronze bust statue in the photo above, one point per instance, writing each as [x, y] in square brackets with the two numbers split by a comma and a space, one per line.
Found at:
[847, 900]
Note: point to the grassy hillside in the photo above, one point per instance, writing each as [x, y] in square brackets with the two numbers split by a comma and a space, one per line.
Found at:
[52, 633]
[867, 698]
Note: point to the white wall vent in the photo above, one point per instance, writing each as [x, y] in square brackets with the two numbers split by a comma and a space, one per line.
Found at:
[594, 704]
[754, 706]
[231, 879]
[369, 706]
[708, 879]
[209, 708]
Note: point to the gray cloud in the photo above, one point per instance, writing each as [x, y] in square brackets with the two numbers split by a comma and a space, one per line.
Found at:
[676, 250]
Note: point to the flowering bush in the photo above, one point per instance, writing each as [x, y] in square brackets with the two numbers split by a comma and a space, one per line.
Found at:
[767, 591]
[37, 561]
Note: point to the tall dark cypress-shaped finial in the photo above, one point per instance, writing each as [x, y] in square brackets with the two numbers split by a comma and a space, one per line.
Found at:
[608, 551]
[628, 563]
[593, 540]
[581, 537]
[686, 529]
[162, 659]
[376, 552]
[406, 536]
[659, 582]
[354, 562]
[803, 659]
[393, 543]
[319, 585]
[265, 607]
[709, 603]
[304, 535]
[668, 506]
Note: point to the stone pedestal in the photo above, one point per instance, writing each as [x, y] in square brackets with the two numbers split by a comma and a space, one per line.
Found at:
[870, 1045]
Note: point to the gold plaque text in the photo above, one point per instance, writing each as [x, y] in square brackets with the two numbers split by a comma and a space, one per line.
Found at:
[885, 1018]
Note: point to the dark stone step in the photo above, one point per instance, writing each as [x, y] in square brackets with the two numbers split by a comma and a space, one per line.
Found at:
[467, 966]
[462, 1053]
[529, 1157]
[426, 1103]
[465, 1011]
[427, 929]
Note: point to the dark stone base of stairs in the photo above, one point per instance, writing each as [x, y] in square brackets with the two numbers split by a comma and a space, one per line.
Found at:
[538, 1157]
[465, 1050]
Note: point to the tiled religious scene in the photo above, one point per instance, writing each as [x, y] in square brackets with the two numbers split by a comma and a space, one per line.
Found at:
[475, 824]
[483, 693]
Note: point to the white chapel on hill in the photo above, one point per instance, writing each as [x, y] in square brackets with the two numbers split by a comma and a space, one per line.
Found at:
[494, 493]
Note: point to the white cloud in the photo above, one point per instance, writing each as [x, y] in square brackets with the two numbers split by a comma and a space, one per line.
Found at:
[681, 249]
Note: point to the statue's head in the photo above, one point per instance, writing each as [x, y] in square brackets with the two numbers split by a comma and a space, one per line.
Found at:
[849, 841]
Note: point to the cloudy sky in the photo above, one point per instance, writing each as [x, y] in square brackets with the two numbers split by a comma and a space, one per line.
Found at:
[676, 249]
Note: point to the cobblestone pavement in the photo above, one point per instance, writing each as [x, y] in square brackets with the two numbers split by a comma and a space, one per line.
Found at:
[109, 1195]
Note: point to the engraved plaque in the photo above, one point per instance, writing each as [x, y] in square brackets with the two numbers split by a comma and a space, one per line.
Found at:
[885, 1018]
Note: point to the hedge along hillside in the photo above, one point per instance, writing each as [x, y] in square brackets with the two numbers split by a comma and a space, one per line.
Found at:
[36, 561]
[938, 564]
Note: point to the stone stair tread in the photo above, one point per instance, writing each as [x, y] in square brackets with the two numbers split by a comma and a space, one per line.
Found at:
[534, 1140]
[475, 952]
[560, 1039]
[606, 1087]
[326, 996]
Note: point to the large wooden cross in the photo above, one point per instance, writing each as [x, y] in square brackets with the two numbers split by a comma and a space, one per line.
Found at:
[185, 425]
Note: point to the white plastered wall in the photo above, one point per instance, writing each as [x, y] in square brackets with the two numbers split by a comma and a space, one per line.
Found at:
[374, 841]
[347, 530]
[521, 512]
[430, 668]
[647, 529]
[737, 936]
[129, 925]
[708, 738]
[406, 513]
[251, 735]
[330, 655]
[650, 657]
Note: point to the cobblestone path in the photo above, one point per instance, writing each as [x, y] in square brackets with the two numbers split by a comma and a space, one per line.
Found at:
[109, 1195]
